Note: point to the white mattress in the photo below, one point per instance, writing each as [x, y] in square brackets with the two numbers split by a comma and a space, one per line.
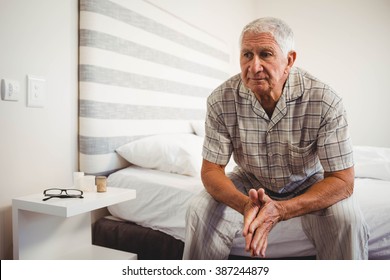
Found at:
[162, 200]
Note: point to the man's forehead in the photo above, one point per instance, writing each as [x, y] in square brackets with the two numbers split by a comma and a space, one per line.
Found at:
[259, 39]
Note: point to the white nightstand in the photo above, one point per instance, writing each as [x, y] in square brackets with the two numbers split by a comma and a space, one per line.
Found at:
[61, 228]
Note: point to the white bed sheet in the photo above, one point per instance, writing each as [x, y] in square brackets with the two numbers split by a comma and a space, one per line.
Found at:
[162, 200]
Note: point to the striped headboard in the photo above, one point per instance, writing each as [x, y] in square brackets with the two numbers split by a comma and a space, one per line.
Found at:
[142, 71]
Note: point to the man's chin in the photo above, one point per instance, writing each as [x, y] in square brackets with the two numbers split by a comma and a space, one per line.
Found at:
[259, 88]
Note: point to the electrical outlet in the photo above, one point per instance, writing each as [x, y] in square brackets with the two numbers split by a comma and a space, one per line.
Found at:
[10, 90]
[36, 91]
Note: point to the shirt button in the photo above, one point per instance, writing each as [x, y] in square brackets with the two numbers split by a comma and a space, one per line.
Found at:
[270, 154]
[273, 181]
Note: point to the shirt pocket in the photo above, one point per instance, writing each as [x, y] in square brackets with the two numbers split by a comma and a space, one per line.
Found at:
[302, 161]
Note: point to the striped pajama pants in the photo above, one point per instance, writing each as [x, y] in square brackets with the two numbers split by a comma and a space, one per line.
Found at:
[338, 232]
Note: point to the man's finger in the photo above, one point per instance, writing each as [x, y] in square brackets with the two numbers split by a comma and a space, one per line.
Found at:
[254, 196]
[248, 218]
[260, 240]
[262, 196]
[248, 241]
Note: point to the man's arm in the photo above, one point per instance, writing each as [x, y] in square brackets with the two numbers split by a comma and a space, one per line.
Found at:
[334, 187]
[220, 187]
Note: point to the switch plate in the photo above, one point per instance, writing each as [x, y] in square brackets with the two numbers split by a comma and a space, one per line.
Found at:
[10, 90]
[36, 91]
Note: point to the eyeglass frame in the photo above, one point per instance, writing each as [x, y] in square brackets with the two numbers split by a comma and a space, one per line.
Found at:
[61, 195]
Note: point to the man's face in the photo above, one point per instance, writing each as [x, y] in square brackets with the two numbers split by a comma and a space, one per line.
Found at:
[264, 67]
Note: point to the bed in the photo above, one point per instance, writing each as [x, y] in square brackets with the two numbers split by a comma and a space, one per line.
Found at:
[162, 199]
[144, 76]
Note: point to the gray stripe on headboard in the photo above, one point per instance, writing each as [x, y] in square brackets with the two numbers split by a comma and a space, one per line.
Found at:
[118, 12]
[101, 75]
[103, 145]
[91, 38]
[101, 110]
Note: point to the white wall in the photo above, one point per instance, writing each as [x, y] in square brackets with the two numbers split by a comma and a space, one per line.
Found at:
[38, 147]
[345, 43]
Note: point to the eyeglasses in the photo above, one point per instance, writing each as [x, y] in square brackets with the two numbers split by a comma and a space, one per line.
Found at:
[62, 193]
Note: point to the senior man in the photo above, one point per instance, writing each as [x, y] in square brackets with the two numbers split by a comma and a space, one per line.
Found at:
[288, 134]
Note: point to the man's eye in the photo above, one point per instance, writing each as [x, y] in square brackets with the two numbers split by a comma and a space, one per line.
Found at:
[265, 54]
[248, 55]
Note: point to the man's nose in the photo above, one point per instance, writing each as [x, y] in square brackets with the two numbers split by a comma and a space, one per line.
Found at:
[256, 65]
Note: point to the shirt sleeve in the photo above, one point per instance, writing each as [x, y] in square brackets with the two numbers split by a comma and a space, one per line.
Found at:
[334, 145]
[217, 147]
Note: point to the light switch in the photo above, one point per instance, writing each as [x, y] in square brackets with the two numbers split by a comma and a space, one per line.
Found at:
[10, 90]
[36, 91]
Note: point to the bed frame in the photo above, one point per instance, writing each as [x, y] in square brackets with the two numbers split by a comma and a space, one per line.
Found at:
[147, 243]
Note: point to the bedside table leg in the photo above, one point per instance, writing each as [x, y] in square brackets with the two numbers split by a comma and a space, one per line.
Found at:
[42, 236]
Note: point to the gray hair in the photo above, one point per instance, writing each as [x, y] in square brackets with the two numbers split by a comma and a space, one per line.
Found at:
[282, 33]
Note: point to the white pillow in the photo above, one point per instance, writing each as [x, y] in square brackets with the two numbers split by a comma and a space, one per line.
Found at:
[199, 128]
[175, 153]
[372, 162]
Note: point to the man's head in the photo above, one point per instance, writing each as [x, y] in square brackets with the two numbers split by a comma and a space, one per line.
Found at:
[266, 55]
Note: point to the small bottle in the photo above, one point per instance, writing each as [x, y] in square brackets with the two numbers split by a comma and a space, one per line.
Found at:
[101, 183]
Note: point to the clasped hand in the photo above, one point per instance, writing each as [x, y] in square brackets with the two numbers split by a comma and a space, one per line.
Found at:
[261, 213]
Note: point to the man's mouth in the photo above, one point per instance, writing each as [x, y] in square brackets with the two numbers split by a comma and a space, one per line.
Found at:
[257, 78]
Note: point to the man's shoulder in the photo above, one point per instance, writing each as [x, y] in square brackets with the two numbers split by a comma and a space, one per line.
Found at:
[308, 80]
[309, 85]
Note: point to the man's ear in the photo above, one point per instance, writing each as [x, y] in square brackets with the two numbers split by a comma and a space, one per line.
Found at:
[291, 56]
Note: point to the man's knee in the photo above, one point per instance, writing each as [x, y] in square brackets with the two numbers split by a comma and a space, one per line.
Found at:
[347, 214]
[200, 206]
